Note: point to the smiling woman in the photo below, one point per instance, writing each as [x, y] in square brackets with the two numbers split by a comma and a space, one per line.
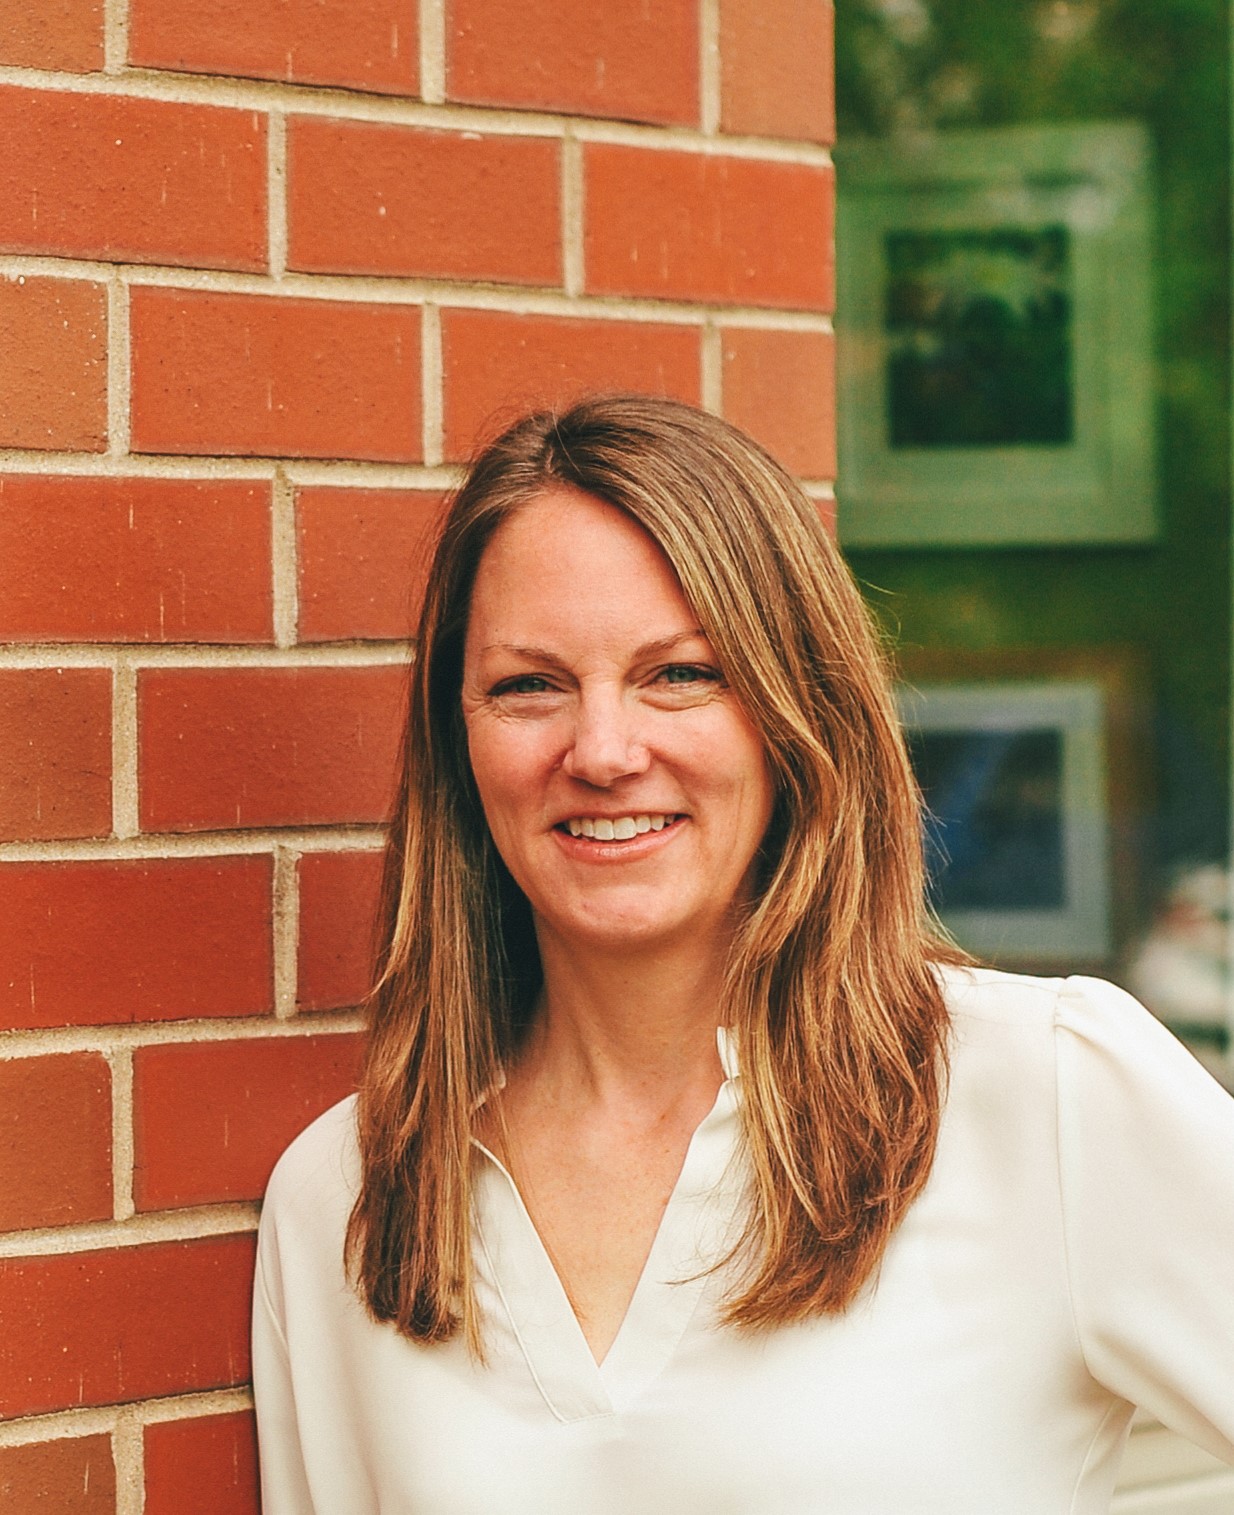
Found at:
[624, 787]
[691, 1170]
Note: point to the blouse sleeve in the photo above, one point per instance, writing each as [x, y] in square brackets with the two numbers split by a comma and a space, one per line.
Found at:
[284, 1484]
[1146, 1154]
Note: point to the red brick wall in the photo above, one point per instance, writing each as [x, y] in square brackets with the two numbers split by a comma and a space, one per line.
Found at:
[265, 269]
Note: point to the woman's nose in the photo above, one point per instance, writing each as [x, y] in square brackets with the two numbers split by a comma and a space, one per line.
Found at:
[607, 742]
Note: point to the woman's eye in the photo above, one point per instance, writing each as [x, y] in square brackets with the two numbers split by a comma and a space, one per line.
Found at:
[689, 673]
[525, 683]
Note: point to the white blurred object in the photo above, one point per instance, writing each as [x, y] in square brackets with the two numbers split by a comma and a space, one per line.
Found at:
[1180, 970]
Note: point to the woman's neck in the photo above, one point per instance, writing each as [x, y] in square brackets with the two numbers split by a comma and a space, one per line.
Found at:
[635, 1028]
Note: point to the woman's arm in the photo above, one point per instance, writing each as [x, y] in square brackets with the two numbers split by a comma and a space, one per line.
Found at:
[1146, 1155]
[284, 1483]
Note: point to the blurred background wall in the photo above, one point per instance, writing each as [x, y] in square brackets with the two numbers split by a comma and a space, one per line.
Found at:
[267, 267]
[1044, 189]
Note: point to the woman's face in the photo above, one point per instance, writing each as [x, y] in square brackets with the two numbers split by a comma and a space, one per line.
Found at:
[624, 786]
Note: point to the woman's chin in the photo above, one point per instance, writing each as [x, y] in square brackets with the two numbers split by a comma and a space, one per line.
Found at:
[638, 930]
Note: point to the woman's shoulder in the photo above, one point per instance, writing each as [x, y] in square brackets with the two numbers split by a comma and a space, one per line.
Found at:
[1077, 1028]
[301, 1238]
[974, 992]
[1025, 1003]
[320, 1169]
[1001, 1023]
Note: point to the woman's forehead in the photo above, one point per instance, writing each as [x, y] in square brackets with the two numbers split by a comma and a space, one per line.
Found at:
[565, 562]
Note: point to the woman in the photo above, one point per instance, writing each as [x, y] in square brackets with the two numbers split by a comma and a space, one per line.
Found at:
[689, 1171]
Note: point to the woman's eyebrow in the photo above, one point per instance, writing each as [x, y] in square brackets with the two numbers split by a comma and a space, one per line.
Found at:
[666, 644]
[656, 648]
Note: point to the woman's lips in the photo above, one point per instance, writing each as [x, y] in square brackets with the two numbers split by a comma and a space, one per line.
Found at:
[605, 848]
[619, 828]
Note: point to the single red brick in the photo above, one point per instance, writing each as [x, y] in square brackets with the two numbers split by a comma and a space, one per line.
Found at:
[367, 198]
[625, 58]
[91, 943]
[223, 747]
[53, 364]
[360, 44]
[700, 226]
[780, 387]
[60, 34]
[497, 365]
[113, 176]
[257, 374]
[338, 916]
[74, 1475]
[776, 75]
[363, 558]
[66, 1180]
[211, 1118]
[91, 1328]
[134, 560]
[55, 753]
[203, 1466]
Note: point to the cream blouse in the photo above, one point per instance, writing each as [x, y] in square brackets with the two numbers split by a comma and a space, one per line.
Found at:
[1072, 1256]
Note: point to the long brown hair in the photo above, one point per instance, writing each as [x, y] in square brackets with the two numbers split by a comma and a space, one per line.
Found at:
[831, 992]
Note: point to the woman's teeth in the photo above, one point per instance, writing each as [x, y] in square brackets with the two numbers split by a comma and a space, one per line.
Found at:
[620, 829]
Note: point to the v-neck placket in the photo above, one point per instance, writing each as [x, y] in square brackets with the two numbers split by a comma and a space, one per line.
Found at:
[695, 1230]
